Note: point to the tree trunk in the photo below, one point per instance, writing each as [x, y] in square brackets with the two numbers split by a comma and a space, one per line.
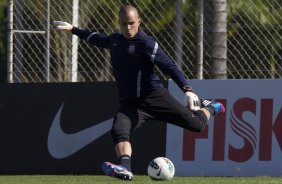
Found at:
[215, 36]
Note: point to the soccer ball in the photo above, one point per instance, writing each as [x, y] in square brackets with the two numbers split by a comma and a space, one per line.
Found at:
[161, 168]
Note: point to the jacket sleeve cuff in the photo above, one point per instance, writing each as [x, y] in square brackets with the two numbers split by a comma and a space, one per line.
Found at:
[187, 88]
[74, 30]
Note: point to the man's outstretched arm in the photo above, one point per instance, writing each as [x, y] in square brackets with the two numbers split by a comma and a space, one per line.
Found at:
[100, 40]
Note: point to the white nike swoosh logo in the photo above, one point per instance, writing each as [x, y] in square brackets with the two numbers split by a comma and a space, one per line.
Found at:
[62, 145]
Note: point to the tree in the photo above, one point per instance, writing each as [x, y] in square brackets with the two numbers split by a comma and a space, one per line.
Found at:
[215, 36]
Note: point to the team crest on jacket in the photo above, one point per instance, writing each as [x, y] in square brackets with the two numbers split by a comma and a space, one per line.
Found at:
[131, 49]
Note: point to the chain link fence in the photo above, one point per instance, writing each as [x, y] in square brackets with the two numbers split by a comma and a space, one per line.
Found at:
[233, 39]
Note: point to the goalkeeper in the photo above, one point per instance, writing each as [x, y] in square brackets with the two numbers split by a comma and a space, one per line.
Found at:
[142, 95]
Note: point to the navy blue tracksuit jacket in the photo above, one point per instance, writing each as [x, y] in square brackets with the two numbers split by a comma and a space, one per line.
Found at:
[133, 62]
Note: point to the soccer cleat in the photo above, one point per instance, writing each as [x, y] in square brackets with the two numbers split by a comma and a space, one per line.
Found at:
[205, 102]
[117, 171]
[217, 106]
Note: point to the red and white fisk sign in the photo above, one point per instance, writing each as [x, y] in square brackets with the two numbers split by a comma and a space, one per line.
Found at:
[245, 141]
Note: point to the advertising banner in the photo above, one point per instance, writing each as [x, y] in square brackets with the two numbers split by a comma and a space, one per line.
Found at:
[64, 128]
[245, 141]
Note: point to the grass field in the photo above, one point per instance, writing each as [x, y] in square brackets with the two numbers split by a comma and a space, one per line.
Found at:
[92, 179]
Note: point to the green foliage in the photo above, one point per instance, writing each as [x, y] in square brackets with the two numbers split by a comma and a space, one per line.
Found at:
[3, 38]
[254, 31]
[255, 24]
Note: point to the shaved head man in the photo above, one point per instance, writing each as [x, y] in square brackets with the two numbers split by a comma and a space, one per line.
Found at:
[142, 95]
[129, 21]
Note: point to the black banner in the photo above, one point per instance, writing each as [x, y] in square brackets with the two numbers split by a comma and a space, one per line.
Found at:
[63, 128]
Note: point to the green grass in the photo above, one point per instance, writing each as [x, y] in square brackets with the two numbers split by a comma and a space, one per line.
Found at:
[92, 179]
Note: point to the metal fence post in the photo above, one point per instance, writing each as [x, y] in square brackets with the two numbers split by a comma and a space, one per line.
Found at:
[200, 18]
[178, 33]
[10, 78]
[47, 41]
[74, 53]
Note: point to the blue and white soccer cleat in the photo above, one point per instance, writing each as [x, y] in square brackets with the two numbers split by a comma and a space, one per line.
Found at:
[217, 106]
[116, 171]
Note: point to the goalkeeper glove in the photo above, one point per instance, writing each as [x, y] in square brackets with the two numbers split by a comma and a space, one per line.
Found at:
[193, 101]
[63, 25]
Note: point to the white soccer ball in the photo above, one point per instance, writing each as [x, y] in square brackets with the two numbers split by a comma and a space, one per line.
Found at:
[161, 168]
